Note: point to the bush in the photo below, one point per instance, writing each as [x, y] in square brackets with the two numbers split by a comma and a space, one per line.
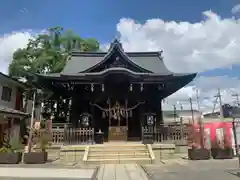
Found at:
[11, 145]
[197, 137]
[41, 138]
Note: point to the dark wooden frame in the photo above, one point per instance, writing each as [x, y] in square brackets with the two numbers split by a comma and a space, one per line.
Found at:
[222, 153]
[35, 157]
[199, 154]
[10, 157]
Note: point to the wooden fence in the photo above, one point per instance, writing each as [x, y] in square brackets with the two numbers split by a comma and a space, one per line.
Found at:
[164, 133]
[79, 136]
[72, 136]
[167, 133]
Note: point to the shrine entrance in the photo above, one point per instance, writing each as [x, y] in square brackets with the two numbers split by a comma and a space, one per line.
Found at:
[118, 121]
[117, 117]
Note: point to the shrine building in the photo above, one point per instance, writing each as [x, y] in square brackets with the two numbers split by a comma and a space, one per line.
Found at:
[115, 92]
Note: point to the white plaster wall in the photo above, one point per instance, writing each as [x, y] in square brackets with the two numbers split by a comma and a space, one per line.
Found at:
[37, 109]
[5, 82]
[15, 134]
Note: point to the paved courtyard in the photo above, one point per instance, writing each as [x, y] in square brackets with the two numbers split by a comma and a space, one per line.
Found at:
[193, 170]
[175, 169]
[19, 173]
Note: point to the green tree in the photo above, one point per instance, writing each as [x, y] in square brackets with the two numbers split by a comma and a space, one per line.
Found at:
[47, 53]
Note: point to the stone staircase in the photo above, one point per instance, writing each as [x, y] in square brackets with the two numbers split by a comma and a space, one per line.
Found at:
[118, 154]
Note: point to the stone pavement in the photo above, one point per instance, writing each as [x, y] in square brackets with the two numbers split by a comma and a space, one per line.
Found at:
[121, 172]
[174, 169]
[193, 170]
[7, 173]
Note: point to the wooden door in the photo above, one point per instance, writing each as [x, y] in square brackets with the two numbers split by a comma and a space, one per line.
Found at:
[117, 133]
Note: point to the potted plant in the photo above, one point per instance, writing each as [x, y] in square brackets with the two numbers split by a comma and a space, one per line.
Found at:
[222, 149]
[197, 149]
[38, 154]
[10, 152]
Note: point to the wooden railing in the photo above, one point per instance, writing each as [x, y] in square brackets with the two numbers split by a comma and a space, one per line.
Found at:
[68, 136]
[58, 136]
[164, 133]
[167, 133]
[58, 125]
[79, 136]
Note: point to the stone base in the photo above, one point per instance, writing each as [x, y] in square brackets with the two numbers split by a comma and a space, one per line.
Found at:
[181, 146]
[35, 157]
[218, 153]
[199, 154]
[10, 157]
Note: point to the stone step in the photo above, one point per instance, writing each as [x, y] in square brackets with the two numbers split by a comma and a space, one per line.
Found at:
[127, 146]
[118, 157]
[107, 150]
[120, 161]
[120, 154]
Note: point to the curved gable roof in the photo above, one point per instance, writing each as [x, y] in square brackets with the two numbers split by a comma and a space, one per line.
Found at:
[85, 61]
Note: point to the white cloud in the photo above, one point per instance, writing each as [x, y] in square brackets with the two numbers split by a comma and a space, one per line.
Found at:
[10, 43]
[207, 89]
[187, 47]
[211, 43]
[236, 9]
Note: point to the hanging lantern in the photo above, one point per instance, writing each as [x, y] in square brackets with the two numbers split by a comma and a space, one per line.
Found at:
[130, 113]
[92, 87]
[141, 88]
[103, 115]
[103, 88]
[131, 87]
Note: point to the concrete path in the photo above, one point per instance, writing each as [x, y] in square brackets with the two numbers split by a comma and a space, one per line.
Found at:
[44, 173]
[121, 172]
[194, 170]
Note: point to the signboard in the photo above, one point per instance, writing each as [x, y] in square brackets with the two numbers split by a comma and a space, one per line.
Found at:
[233, 141]
[207, 138]
[237, 126]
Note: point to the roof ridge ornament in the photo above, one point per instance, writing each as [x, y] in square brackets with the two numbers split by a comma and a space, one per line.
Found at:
[116, 43]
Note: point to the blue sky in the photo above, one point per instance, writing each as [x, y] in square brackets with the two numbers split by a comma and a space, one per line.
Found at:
[98, 18]
[195, 35]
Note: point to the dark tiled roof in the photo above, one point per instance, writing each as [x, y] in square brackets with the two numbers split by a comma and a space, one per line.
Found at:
[11, 111]
[82, 61]
[21, 84]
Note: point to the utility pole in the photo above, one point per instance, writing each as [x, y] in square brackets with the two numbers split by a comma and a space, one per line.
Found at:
[174, 112]
[237, 98]
[181, 123]
[31, 122]
[198, 100]
[190, 101]
[218, 96]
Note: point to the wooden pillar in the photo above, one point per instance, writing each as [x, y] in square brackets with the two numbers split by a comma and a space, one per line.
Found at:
[93, 118]
[159, 117]
[109, 117]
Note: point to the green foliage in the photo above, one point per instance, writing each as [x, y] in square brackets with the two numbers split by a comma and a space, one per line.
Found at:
[6, 149]
[15, 144]
[41, 138]
[44, 140]
[48, 52]
[11, 145]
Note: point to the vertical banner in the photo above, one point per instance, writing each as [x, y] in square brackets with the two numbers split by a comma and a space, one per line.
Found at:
[219, 137]
[207, 139]
[233, 141]
[237, 125]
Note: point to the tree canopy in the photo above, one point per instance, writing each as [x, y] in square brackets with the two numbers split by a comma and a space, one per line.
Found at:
[47, 52]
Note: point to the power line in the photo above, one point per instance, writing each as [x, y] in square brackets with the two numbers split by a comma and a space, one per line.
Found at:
[218, 96]
[198, 104]
[236, 95]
